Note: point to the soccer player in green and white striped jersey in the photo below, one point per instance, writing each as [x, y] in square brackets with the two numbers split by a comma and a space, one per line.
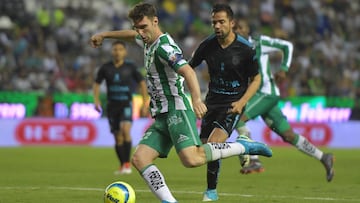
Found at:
[175, 121]
[264, 102]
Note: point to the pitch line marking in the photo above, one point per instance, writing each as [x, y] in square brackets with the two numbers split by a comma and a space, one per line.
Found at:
[180, 192]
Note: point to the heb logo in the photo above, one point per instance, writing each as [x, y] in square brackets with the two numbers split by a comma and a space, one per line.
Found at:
[317, 133]
[53, 131]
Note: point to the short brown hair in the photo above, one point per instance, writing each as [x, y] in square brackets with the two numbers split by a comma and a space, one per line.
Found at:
[223, 7]
[140, 10]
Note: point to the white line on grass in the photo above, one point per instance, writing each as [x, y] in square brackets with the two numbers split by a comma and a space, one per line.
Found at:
[182, 192]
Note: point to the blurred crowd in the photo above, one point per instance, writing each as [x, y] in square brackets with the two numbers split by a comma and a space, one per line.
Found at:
[44, 43]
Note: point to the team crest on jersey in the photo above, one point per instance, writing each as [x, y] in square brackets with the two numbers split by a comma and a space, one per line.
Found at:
[235, 60]
[116, 77]
[174, 120]
[174, 57]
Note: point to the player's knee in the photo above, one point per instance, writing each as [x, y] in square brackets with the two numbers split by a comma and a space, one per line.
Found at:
[135, 160]
[127, 138]
[119, 140]
[138, 161]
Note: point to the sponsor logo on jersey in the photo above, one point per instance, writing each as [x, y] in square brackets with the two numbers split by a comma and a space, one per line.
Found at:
[146, 135]
[182, 138]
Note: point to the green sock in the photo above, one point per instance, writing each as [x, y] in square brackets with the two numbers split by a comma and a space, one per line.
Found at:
[240, 124]
[295, 140]
[308, 148]
[208, 152]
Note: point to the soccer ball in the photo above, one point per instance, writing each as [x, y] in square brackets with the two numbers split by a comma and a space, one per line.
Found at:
[119, 192]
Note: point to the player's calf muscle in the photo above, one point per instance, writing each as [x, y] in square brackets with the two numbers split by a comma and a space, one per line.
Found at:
[192, 156]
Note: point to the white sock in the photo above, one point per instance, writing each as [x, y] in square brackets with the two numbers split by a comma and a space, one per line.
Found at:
[215, 151]
[244, 130]
[254, 157]
[156, 183]
[305, 146]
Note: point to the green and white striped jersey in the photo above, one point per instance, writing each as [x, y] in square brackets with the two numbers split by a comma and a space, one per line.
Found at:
[266, 45]
[162, 60]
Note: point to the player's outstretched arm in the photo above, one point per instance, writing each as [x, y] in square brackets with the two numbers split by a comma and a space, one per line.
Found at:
[192, 82]
[126, 35]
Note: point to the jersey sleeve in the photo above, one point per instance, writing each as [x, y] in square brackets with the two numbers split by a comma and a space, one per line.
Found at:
[197, 57]
[100, 75]
[172, 55]
[268, 44]
[253, 62]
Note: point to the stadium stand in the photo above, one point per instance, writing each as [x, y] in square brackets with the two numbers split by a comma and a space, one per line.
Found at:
[44, 47]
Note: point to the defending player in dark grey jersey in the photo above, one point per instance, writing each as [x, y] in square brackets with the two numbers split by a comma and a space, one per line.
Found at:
[120, 75]
[234, 79]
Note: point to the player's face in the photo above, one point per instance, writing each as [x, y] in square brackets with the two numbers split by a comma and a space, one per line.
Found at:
[146, 28]
[221, 24]
[242, 28]
[118, 52]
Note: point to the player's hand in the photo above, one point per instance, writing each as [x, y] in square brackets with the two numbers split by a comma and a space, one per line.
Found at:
[200, 108]
[96, 40]
[237, 107]
[98, 107]
[280, 76]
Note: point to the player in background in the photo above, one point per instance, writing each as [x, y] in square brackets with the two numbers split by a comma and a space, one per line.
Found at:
[234, 79]
[120, 75]
[265, 102]
[175, 121]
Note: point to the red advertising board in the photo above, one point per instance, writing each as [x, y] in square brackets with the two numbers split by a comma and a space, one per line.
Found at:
[319, 134]
[51, 131]
[54, 131]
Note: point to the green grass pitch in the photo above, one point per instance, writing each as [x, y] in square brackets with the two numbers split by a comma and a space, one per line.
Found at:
[80, 175]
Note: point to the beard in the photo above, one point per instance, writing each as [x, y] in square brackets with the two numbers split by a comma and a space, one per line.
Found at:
[221, 35]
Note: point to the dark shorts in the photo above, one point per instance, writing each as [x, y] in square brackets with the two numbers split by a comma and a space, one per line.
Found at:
[117, 114]
[218, 118]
